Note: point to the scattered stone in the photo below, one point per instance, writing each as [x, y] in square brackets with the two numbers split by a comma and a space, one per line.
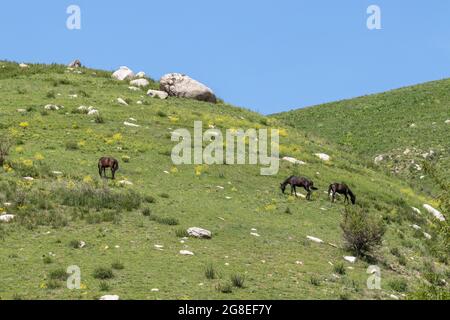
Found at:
[314, 239]
[300, 263]
[378, 159]
[123, 73]
[134, 88]
[413, 125]
[428, 236]
[393, 296]
[23, 65]
[125, 183]
[293, 161]
[255, 234]
[157, 94]
[140, 74]
[298, 194]
[323, 156]
[82, 244]
[73, 96]
[7, 204]
[186, 253]
[140, 83]
[416, 210]
[53, 107]
[220, 187]
[350, 259]
[129, 124]
[416, 227]
[159, 247]
[28, 178]
[447, 121]
[75, 64]
[121, 101]
[110, 297]
[182, 86]
[199, 233]
[6, 218]
[437, 214]
[155, 290]
[21, 110]
[93, 112]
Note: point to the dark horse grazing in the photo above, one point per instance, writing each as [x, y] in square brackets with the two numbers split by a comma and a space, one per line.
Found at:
[295, 182]
[343, 189]
[107, 162]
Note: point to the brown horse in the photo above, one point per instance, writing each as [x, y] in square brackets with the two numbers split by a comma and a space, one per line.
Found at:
[343, 189]
[295, 182]
[108, 162]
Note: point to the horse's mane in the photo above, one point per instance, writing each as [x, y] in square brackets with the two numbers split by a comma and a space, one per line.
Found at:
[287, 180]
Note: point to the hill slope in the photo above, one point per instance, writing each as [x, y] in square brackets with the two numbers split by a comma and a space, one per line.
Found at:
[405, 126]
[137, 231]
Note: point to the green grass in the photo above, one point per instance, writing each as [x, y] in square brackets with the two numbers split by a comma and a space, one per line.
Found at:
[54, 209]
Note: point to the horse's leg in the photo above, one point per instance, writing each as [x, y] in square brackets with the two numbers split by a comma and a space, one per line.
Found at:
[346, 198]
[100, 170]
[113, 173]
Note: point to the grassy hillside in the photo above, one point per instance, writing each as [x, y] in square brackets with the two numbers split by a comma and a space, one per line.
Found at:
[136, 231]
[402, 125]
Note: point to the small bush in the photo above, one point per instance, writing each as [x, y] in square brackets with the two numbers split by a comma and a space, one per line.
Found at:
[210, 272]
[53, 284]
[146, 212]
[58, 274]
[99, 119]
[103, 273]
[399, 285]
[117, 265]
[314, 280]
[164, 195]
[150, 199]
[104, 286]
[339, 269]
[161, 114]
[71, 145]
[224, 287]
[362, 233]
[237, 280]
[75, 244]
[5, 146]
[47, 260]
[181, 233]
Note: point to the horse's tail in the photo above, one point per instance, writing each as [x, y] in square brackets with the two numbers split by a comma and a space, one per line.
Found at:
[352, 196]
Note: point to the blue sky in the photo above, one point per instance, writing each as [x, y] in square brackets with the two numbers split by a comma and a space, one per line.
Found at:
[265, 55]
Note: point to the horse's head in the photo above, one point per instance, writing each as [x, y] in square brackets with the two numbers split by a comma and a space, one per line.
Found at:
[283, 187]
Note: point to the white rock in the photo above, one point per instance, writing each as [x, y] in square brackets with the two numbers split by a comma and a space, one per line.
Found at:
[73, 96]
[155, 290]
[82, 244]
[121, 101]
[378, 159]
[314, 239]
[199, 233]
[139, 102]
[416, 227]
[125, 183]
[416, 210]
[129, 124]
[140, 74]
[109, 297]
[255, 234]
[21, 110]
[123, 73]
[293, 160]
[57, 173]
[140, 82]
[427, 235]
[159, 247]
[7, 204]
[413, 125]
[134, 88]
[53, 107]
[74, 64]
[186, 253]
[323, 156]
[23, 65]
[394, 297]
[447, 121]
[182, 86]
[28, 178]
[437, 214]
[6, 218]
[157, 94]
[350, 259]
[93, 112]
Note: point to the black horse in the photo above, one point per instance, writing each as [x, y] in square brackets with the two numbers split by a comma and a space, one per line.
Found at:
[108, 162]
[343, 189]
[295, 182]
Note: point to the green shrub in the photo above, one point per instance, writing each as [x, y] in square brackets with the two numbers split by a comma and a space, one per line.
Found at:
[238, 280]
[339, 269]
[181, 233]
[71, 145]
[224, 288]
[104, 286]
[362, 233]
[103, 273]
[117, 265]
[210, 272]
[399, 285]
[58, 274]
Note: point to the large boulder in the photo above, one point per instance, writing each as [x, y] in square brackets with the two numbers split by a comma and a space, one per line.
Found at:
[124, 73]
[157, 94]
[75, 64]
[182, 86]
[140, 82]
[199, 233]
